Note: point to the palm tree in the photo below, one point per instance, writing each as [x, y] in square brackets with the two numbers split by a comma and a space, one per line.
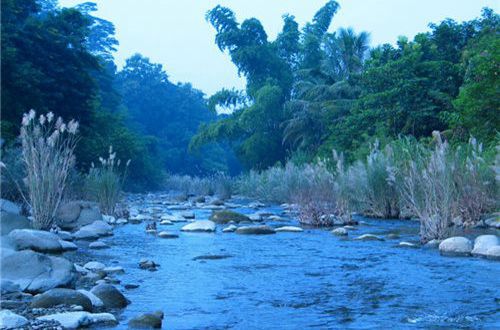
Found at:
[325, 94]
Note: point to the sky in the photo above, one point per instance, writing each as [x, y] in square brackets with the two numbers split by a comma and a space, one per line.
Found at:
[176, 34]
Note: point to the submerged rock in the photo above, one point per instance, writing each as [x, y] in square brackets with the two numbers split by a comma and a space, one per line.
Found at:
[59, 296]
[10, 320]
[188, 215]
[35, 272]
[147, 321]
[74, 320]
[224, 216]
[455, 246]
[340, 231]
[213, 257]
[200, 226]
[483, 243]
[167, 234]
[433, 243]
[98, 245]
[229, 229]
[36, 240]
[291, 229]
[407, 245]
[369, 237]
[255, 230]
[110, 296]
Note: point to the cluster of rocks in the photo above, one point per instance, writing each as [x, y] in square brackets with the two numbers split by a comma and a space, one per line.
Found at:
[487, 246]
[42, 289]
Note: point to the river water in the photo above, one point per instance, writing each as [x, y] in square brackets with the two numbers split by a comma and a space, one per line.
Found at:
[311, 279]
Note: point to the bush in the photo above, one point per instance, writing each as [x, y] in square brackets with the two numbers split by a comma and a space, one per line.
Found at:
[12, 173]
[445, 186]
[104, 183]
[47, 153]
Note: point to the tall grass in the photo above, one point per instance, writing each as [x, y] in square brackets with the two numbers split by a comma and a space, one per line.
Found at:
[446, 186]
[104, 183]
[47, 154]
[219, 184]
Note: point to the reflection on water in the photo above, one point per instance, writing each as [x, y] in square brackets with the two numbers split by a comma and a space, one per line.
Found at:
[302, 280]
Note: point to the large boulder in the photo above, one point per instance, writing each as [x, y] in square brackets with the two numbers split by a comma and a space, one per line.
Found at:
[94, 231]
[35, 272]
[60, 296]
[455, 246]
[9, 207]
[11, 221]
[36, 240]
[74, 214]
[483, 243]
[147, 321]
[10, 320]
[110, 296]
[200, 226]
[225, 216]
[255, 230]
[75, 320]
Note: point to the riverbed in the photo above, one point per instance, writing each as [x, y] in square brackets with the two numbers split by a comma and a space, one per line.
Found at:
[309, 279]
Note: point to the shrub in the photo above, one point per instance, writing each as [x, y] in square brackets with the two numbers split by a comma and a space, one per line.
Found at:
[47, 153]
[12, 172]
[219, 184]
[104, 183]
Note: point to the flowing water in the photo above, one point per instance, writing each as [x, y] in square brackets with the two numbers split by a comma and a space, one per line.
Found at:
[303, 280]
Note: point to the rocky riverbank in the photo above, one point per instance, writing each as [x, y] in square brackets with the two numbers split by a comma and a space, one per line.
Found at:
[55, 280]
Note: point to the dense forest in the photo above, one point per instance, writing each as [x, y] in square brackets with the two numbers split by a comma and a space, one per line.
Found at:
[61, 60]
[309, 91]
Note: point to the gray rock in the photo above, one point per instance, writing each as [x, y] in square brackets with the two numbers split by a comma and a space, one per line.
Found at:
[67, 215]
[493, 253]
[255, 230]
[9, 207]
[11, 221]
[35, 272]
[65, 235]
[291, 229]
[147, 321]
[432, 244]
[340, 231]
[68, 246]
[95, 300]
[75, 320]
[89, 215]
[494, 221]
[94, 266]
[455, 246]
[10, 320]
[8, 287]
[36, 240]
[59, 296]
[94, 231]
[200, 226]
[483, 243]
[110, 296]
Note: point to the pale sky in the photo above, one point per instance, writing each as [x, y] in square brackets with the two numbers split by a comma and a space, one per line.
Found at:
[175, 33]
